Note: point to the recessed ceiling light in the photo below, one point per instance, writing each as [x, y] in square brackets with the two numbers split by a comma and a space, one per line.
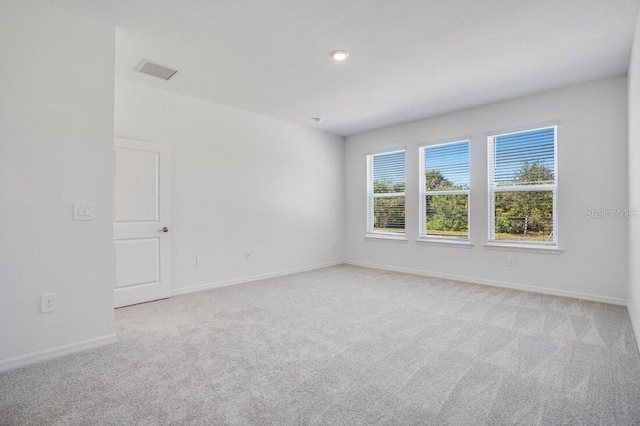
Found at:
[316, 119]
[339, 55]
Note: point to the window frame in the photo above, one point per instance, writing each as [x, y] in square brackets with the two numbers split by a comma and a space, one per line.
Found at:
[492, 189]
[423, 235]
[371, 196]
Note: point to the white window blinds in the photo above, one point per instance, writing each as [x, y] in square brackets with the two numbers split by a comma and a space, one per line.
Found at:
[386, 193]
[444, 190]
[523, 186]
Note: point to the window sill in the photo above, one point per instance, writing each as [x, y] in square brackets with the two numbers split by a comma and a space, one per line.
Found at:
[462, 243]
[386, 238]
[524, 248]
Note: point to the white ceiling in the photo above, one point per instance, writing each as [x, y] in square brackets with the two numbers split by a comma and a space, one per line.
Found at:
[408, 59]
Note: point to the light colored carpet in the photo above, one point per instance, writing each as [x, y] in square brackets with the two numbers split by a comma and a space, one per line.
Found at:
[344, 345]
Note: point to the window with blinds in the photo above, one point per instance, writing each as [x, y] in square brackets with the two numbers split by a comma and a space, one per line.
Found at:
[386, 193]
[522, 187]
[444, 190]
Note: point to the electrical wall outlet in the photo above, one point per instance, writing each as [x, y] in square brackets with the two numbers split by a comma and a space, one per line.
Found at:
[247, 255]
[199, 260]
[48, 303]
[511, 262]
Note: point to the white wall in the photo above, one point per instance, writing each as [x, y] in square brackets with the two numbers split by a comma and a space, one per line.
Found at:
[56, 132]
[634, 183]
[240, 181]
[592, 166]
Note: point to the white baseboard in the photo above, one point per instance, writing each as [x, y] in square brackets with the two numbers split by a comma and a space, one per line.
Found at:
[492, 283]
[635, 325]
[47, 354]
[203, 287]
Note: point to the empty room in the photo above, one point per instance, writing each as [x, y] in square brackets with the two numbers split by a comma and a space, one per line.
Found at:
[319, 212]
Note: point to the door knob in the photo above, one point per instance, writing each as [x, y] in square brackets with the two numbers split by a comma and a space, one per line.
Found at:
[165, 229]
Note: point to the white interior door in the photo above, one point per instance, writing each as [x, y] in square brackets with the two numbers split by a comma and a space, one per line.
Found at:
[141, 227]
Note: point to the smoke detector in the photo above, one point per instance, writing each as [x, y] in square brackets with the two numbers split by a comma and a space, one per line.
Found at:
[155, 70]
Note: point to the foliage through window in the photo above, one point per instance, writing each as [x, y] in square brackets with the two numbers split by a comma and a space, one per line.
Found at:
[386, 193]
[444, 190]
[522, 187]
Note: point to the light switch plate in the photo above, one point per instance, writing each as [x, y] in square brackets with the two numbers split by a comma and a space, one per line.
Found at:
[83, 211]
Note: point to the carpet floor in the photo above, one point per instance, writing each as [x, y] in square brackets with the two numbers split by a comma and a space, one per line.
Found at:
[344, 345]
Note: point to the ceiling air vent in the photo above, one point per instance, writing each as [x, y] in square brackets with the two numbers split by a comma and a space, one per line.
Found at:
[155, 70]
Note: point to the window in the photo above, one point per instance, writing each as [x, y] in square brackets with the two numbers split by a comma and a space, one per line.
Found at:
[444, 190]
[386, 193]
[522, 187]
